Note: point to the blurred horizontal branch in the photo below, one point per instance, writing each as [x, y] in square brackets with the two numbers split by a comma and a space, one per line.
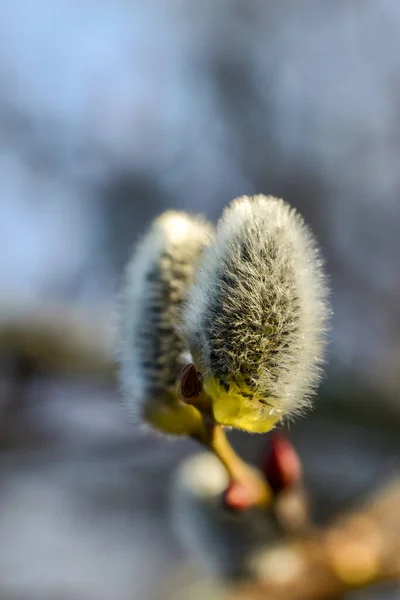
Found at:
[55, 340]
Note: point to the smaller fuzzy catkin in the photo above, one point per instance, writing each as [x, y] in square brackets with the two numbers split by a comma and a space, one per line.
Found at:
[152, 348]
[257, 313]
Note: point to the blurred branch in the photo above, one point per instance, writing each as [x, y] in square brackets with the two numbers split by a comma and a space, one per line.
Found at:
[53, 340]
[359, 549]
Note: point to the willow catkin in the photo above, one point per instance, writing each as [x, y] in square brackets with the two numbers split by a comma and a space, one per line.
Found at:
[152, 349]
[257, 314]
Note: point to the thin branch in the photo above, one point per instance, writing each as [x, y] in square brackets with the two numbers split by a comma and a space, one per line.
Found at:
[246, 488]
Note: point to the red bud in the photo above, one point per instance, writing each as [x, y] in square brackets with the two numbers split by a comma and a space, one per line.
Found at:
[281, 465]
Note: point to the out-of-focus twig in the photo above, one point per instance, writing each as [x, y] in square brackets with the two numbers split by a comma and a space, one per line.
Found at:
[55, 340]
[358, 549]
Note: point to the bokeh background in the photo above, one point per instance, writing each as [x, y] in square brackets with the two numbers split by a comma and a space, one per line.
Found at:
[112, 111]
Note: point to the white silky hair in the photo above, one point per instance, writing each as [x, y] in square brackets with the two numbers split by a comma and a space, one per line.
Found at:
[258, 309]
[152, 348]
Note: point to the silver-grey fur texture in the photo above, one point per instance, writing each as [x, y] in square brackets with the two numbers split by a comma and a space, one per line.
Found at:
[258, 309]
[152, 348]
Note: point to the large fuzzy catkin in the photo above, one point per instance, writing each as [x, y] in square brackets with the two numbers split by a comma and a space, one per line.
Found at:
[152, 348]
[257, 313]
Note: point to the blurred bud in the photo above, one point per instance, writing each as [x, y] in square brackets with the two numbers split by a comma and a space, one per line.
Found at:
[225, 541]
[281, 464]
[152, 349]
[282, 467]
[257, 313]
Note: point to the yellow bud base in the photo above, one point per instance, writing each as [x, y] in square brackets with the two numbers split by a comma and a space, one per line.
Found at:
[233, 408]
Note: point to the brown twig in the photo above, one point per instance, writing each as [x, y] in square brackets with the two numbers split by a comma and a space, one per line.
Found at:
[358, 549]
[56, 341]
